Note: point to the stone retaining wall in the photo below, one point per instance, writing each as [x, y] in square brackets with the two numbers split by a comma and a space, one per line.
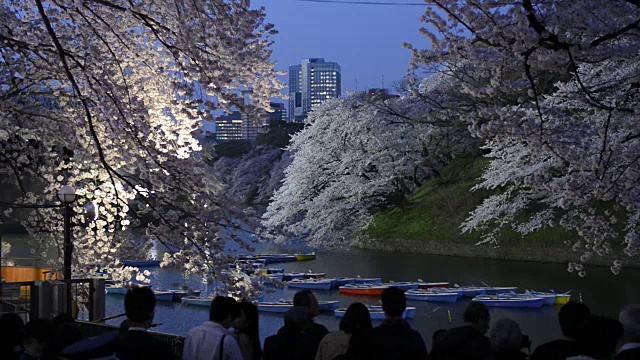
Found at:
[519, 253]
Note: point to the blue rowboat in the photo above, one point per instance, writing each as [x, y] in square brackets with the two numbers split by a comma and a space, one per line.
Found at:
[142, 263]
[549, 298]
[491, 290]
[456, 291]
[330, 305]
[292, 275]
[179, 294]
[404, 285]
[426, 295]
[163, 296]
[431, 285]
[311, 284]
[357, 280]
[377, 313]
[509, 301]
[196, 301]
[116, 289]
[471, 291]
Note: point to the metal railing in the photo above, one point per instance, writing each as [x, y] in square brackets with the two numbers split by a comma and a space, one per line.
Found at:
[96, 329]
[46, 299]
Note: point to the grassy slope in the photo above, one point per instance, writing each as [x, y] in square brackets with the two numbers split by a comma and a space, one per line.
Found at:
[437, 209]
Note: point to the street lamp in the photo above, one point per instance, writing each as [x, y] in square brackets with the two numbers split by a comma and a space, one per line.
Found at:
[67, 195]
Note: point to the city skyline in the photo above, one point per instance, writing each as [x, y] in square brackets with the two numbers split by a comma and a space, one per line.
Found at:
[365, 40]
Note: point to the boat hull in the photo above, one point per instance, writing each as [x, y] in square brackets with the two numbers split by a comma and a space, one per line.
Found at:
[510, 303]
[305, 257]
[323, 285]
[163, 296]
[500, 290]
[368, 291]
[433, 285]
[433, 297]
[345, 280]
[196, 301]
[377, 313]
[562, 299]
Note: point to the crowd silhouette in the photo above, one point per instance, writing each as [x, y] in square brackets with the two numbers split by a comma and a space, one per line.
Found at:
[232, 333]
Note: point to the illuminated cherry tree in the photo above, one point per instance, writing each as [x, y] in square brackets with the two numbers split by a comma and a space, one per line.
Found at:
[105, 95]
[556, 99]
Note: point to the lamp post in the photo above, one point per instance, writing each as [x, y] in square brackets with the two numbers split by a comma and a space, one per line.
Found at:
[67, 195]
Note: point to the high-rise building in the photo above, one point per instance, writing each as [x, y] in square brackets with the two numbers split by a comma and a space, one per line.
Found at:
[279, 112]
[235, 126]
[310, 84]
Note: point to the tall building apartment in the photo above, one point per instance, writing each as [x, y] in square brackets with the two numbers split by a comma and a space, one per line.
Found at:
[279, 112]
[310, 84]
[235, 126]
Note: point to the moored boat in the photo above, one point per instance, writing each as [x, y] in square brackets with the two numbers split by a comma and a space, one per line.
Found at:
[470, 291]
[363, 289]
[517, 301]
[179, 294]
[493, 290]
[142, 263]
[377, 313]
[292, 276]
[357, 280]
[305, 257]
[196, 301]
[404, 285]
[311, 284]
[548, 298]
[116, 289]
[277, 258]
[426, 295]
[163, 296]
[562, 299]
[312, 275]
[431, 285]
[329, 305]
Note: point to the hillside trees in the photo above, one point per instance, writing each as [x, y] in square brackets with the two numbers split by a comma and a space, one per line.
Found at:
[559, 114]
[353, 155]
[104, 95]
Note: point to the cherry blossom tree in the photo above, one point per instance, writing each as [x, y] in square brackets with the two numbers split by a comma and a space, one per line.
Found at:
[352, 155]
[105, 95]
[555, 98]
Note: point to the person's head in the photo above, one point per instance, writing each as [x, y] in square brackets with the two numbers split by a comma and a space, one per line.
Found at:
[438, 335]
[394, 302]
[11, 332]
[63, 318]
[251, 326]
[572, 317]
[630, 320]
[306, 299]
[224, 311]
[505, 334]
[139, 305]
[599, 336]
[477, 315]
[356, 320]
[37, 333]
[297, 318]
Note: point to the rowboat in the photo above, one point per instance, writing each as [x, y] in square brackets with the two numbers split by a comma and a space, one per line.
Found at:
[273, 279]
[196, 301]
[357, 280]
[312, 275]
[491, 290]
[363, 289]
[377, 313]
[142, 263]
[270, 271]
[277, 258]
[292, 275]
[562, 299]
[517, 301]
[179, 294]
[431, 285]
[404, 285]
[163, 296]
[311, 284]
[470, 291]
[116, 289]
[549, 298]
[304, 257]
[426, 295]
[274, 307]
